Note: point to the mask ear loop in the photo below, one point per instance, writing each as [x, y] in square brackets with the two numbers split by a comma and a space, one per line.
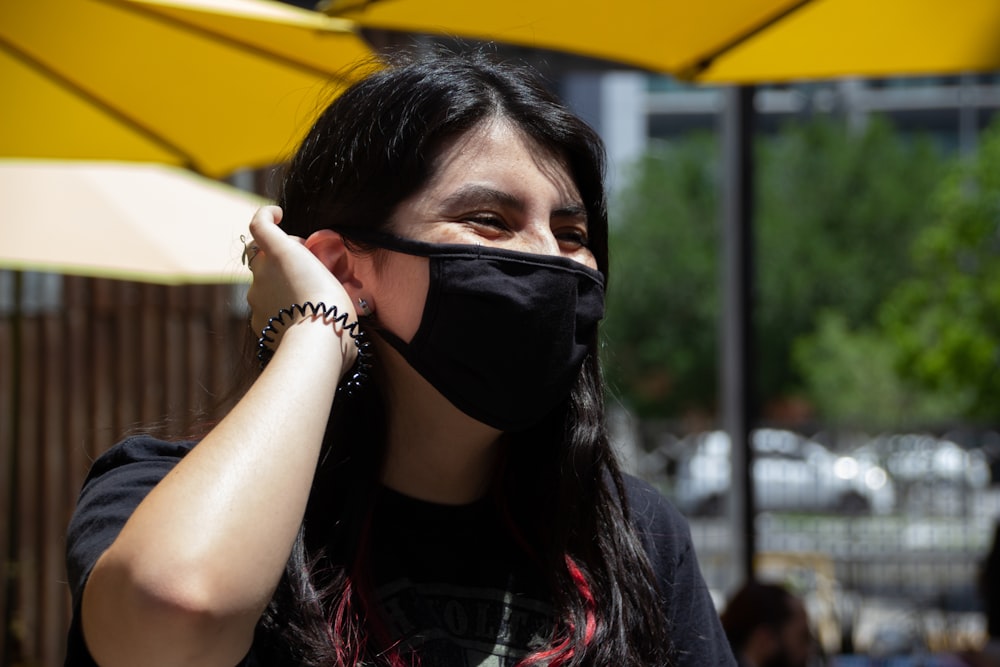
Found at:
[360, 372]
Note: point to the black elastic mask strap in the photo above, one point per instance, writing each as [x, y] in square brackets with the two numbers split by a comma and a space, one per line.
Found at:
[424, 249]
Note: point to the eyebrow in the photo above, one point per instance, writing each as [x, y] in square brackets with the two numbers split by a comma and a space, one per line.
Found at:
[575, 210]
[482, 195]
[479, 195]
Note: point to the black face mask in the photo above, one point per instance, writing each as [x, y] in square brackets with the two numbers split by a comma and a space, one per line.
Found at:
[503, 334]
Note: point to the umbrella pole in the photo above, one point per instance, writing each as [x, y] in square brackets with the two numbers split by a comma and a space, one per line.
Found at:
[737, 340]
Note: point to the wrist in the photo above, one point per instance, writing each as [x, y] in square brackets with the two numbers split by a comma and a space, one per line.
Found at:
[314, 327]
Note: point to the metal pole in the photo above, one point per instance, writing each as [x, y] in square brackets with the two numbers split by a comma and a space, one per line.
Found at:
[737, 318]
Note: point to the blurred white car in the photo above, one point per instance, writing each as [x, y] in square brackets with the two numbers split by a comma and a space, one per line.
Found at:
[790, 473]
[932, 475]
[918, 457]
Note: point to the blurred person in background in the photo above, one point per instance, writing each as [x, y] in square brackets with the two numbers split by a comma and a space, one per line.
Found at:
[989, 593]
[767, 626]
[989, 589]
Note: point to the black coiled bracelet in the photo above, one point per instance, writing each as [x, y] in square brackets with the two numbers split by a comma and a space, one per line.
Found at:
[357, 377]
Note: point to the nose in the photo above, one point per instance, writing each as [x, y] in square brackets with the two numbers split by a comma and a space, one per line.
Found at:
[539, 239]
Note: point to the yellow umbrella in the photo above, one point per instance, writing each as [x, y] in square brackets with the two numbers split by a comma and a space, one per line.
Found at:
[214, 85]
[666, 35]
[720, 41]
[836, 38]
[125, 220]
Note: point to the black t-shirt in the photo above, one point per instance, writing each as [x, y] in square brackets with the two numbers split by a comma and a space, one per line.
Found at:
[452, 583]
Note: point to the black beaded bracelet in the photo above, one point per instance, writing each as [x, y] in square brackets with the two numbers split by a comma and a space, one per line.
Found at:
[329, 314]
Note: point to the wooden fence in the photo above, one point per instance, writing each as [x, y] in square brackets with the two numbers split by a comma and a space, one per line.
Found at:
[76, 374]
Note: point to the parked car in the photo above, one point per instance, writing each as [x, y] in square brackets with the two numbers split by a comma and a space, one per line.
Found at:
[790, 473]
[921, 457]
[932, 475]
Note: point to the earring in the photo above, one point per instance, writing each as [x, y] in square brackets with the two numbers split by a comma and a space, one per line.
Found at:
[365, 309]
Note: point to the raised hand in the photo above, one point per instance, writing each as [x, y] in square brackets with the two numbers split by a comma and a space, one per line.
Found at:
[286, 272]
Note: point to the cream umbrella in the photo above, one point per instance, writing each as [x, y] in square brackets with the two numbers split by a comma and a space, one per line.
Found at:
[129, 221]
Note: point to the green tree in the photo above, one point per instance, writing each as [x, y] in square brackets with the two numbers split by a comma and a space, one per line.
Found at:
[660, 330]
[945, 321]
[852, 378]
[836, 212]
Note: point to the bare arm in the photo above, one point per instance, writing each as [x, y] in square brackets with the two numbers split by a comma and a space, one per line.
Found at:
[194, 567]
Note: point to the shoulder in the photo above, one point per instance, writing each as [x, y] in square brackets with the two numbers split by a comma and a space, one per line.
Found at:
[141, 449]
[133, 465]
[697, 633]
[662, 528]
[664, 534]
[117, 482]
[649, 506]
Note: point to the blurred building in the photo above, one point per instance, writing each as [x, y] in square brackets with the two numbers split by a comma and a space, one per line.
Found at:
[630, 108]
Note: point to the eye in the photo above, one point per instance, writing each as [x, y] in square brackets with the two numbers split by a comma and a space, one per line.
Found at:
[488, 220]
[576, 237]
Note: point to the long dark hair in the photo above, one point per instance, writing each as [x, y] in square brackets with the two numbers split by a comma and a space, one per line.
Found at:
[560, 484]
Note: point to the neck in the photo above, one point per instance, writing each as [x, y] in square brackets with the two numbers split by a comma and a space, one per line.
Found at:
[434, 452]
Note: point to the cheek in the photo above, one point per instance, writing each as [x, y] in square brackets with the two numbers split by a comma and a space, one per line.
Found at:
[587, 258]
[401, 294]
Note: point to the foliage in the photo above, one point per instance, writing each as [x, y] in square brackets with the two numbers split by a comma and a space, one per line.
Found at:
[661, 332]
[945, 321]
[852, 378]
[836, 213]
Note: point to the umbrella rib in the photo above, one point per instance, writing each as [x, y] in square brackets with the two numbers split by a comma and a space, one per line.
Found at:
[693, 71]
[68, 84]
[252, 49]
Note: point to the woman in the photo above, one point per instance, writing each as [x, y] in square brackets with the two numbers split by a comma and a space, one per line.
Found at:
[460, 504]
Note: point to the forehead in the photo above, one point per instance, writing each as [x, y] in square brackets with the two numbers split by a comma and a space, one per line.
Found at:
[496, 149]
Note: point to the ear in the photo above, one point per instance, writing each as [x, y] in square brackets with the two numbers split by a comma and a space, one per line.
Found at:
[328, 246]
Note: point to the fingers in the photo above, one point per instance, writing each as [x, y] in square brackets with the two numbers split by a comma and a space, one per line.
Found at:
[268, 237]
[264, 232]
[264, 225]
[286, 272]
